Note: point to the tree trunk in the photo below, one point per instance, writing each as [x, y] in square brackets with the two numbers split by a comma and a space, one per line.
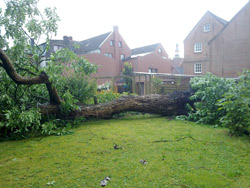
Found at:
[18, 79]
[167, 105]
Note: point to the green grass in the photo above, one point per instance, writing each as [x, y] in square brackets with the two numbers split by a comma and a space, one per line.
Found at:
[84, 158]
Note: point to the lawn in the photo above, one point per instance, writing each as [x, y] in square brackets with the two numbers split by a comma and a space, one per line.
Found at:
[177, 154]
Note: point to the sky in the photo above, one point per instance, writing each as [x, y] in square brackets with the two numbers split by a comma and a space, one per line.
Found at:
[140, 22]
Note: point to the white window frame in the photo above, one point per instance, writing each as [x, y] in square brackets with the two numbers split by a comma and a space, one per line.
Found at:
[198, 47]
[122, 57]
[197, 68]
[57, 47]
[120, 44]
[112, 42]
[160, 50]
[152, 70]
[206, 28]
[110, 55]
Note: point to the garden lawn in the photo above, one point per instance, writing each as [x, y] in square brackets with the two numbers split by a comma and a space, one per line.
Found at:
[179, 154]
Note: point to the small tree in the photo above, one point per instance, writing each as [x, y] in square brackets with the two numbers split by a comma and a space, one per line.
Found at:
[236, 103]
[157, 83]
[128, 71]
[208, 90]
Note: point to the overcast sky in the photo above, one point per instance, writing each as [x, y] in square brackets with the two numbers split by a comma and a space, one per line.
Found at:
[140, 22]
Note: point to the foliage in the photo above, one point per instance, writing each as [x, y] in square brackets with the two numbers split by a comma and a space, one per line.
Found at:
[84, 158]
[106, 95]
[18, 105]
[128, 71]
[208, 90]
[157, 82]
[23, 26]
[236, 103]
[80, 87]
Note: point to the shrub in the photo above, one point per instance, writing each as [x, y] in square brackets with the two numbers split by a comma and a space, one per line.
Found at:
[236, 103]
[106, 95]
[208, 90]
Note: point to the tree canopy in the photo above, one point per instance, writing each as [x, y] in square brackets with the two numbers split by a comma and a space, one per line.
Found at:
[23, 80]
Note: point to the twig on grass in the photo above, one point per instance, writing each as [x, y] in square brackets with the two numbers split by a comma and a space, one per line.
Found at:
[157, 141]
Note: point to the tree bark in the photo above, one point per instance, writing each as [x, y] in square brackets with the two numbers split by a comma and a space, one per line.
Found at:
[18, 79]
[167, 105]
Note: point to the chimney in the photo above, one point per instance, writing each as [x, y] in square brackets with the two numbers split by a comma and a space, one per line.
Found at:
[177, 51]
[65, 38]
[115, 28]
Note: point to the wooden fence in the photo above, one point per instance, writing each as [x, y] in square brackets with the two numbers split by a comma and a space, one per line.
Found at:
[150, 83]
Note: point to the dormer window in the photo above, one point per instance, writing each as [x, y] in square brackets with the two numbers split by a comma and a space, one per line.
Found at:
[111, 42]
[160, 50]
[198, 47]
[206, 27]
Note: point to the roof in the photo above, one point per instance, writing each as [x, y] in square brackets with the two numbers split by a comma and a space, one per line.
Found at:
[145, 49]
[94, 42]
[176, 62]
[178, 70]
[235, 16]
[222, 21]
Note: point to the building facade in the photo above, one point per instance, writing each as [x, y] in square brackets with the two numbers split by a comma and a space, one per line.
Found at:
[150, 59]
[217, 46]
[196, 48]
[110, 51]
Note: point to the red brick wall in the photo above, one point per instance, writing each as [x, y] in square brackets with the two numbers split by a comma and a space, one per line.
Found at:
[116, 50]
[107, 66]
[198, 35]
[230, 51]
[152, 60]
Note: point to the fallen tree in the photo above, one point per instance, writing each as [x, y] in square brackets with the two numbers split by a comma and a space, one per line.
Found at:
[167, 105]
[63, 82]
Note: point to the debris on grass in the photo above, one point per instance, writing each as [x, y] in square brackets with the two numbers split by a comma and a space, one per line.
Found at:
[143, 161]
[117, 147]
[105, 181]
[52, 183]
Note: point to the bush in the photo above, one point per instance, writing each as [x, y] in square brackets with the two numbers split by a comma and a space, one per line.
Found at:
[80, 87]
[236, 103]
[106, 95]
[208, 90]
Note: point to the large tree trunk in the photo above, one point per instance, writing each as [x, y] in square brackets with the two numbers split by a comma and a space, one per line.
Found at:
[167, 105]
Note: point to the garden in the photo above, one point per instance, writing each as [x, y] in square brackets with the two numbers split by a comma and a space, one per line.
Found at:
[52, 133]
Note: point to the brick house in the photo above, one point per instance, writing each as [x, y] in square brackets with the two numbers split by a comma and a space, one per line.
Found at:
[110, 51]
[230, 49]
[151, 59]
[217, 46]
[196, 49]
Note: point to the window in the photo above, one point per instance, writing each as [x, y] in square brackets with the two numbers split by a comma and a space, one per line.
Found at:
[56, 47]
[122, 56]
[120, 44]
[111, 42]
[159, 50]
[206, 27]
[197, 47]
[110, 55]
[197, 68]
[152, 70]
